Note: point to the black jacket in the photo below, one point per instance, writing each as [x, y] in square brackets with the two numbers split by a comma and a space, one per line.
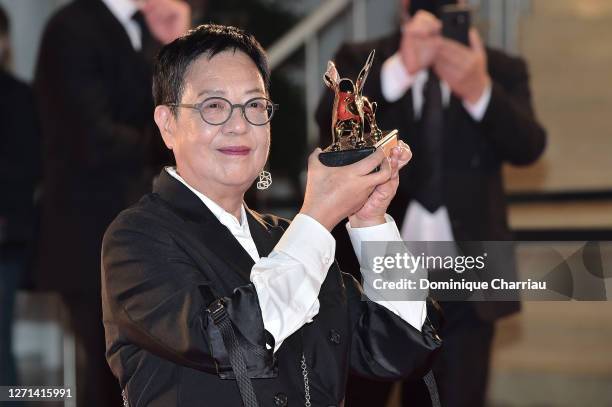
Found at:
[158, 260]
[19, 160]
[101, 148]
[473, 152]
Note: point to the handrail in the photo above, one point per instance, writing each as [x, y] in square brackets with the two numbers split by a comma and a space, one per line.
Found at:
[305, 29]
[306, 34]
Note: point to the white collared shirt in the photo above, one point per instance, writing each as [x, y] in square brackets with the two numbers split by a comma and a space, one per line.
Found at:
[123, 10]
[289, 279]
[420, 224]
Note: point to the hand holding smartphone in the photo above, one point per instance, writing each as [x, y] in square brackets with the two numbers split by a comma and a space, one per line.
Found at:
[456, 23]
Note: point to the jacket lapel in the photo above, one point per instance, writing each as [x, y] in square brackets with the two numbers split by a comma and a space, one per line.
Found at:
[265, 235]
[205, 228]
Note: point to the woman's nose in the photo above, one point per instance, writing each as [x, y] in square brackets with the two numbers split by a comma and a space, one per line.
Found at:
[237, 122]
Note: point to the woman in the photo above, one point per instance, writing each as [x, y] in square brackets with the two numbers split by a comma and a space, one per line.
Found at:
[207, 302]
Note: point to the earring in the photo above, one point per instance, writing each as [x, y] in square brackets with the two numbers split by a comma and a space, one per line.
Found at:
[265, 180]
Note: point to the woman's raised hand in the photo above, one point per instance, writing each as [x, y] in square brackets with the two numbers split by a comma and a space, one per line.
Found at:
[334, 193]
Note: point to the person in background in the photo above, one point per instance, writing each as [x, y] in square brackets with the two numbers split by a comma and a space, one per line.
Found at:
[100, 152]
[464, 110]
[19, 171]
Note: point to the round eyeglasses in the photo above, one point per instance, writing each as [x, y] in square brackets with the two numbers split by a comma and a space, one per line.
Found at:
[217, 110]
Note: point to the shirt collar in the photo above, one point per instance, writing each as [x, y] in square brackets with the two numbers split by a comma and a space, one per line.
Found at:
[123, 10]
[226, 218]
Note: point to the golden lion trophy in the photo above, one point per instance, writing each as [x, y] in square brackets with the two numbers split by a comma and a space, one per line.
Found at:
[355, 133]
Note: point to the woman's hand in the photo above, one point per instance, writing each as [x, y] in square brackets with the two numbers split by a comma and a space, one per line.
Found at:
[373, 211]
[333, 193]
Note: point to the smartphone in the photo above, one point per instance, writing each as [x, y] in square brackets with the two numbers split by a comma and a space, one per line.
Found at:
[433, 6]
[456, 23]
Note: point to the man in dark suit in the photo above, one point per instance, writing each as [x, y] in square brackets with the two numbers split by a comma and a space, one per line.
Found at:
[19, 172]
[93, 86]
[464, 111]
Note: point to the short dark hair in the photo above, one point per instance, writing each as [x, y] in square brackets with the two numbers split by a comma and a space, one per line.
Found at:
[208, 39]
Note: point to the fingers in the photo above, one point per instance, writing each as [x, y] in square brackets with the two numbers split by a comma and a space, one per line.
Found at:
[404, 154]
[475, 41]
[394, 165]
[453, 52]
[398, 154]
[449, 73]
[453, 61]
[399, 157]
[424, 24]
[368, 164]
[313, 158]
[314, 155]
[382, 175]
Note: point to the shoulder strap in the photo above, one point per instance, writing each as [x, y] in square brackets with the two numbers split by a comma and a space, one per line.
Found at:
[430, 382]
[236, 356]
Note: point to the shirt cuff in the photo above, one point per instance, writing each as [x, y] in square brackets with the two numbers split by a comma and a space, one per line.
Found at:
[478, 109]
[307, 241]
[386, 232]
[394, 78]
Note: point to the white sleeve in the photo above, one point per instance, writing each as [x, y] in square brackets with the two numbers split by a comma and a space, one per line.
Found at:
[288, 281]
[394, 78]
[478, 109]
[413, 312]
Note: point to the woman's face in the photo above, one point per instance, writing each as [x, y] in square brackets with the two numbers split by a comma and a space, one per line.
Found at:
[216, 158]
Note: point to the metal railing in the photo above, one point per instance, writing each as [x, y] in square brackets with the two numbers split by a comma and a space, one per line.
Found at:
[503, 18]
[306, 34]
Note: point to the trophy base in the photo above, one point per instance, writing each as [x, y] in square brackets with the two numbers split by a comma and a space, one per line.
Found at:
[344, 157]
[349, 156]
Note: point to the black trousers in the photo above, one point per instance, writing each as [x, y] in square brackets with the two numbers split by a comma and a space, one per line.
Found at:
[96, 385]
[12, 267]
[461, 369]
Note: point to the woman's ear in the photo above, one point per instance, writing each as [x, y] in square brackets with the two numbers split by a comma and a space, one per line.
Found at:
[165, 121]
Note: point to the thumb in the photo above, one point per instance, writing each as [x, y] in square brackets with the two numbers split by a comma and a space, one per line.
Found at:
[314, 156]
[475, 41]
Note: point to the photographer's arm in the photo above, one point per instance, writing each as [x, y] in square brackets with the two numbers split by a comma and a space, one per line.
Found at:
[495, 91]
[510, 122]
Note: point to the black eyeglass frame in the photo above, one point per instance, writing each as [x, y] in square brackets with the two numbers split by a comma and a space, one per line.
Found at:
[198, 107]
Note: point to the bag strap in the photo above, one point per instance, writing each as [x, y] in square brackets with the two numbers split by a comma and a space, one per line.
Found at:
[236, 356]
[430, 382]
